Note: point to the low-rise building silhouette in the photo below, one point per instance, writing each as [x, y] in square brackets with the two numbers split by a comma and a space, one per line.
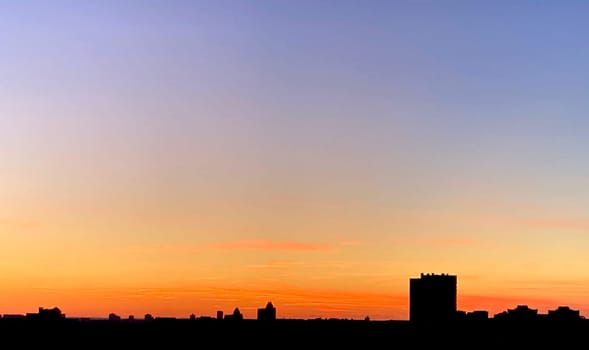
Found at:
[219, 315]
[52, 314]
[268, 313]
[432, 298]
[236, 315]
[14, 316]
[564, 313]
[520, 313]
[114, 317]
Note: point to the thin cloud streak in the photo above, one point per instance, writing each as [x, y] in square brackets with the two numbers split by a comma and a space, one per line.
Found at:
[270, 245]
[443, 242]
[546, 222]
[554, 287]
[240, 245]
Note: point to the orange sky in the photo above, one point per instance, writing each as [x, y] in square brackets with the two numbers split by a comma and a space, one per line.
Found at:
[92, 253]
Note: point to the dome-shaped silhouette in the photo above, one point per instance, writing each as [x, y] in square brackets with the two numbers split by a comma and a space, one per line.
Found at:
[268, 313]
[236, 315]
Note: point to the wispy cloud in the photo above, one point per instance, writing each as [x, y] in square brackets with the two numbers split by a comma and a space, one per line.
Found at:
[445, 242]
[277, 264]
[240, 245]
[270, 245]
[578, 287]
[546, 222]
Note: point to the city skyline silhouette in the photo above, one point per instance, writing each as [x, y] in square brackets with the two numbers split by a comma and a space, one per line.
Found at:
[432, 299]
[434, 321]
[295, 159]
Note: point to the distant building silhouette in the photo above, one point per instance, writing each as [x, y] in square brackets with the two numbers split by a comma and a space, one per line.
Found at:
[432, 298]
[235, 316]
[52, 314]
[520, 313]
[564, 313]
[148, 317]
[114, 317]
[219, 315]
[14, 316]
[268, 313]
[192, 317]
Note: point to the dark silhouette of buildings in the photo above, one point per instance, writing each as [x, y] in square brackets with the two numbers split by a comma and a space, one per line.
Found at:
[564, 313]
[268, 313]
[14, 316]
[477, 315]
[219, 315]
[165, 319]
[520, 313]
[236, 316]
[47, 314]
[432, 298]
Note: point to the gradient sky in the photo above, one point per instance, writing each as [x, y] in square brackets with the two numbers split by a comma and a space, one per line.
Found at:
[178, 157]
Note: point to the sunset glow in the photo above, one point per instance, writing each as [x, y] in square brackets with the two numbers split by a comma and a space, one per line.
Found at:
[179, 157]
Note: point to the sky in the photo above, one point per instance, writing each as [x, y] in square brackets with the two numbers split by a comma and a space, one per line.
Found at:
[177, 157]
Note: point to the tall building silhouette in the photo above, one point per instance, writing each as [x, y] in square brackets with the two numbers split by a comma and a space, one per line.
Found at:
[432, 298]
